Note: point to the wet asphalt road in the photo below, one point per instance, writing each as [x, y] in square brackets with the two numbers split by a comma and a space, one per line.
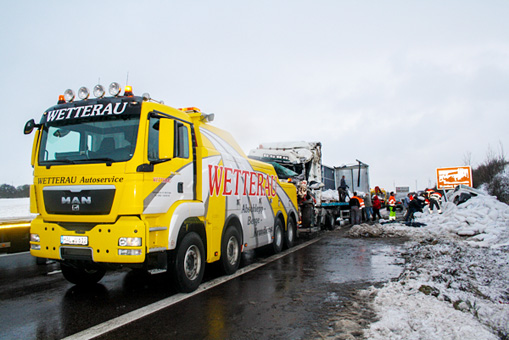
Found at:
[299, 295]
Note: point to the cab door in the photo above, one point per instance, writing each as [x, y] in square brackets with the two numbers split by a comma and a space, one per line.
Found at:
[170, 156]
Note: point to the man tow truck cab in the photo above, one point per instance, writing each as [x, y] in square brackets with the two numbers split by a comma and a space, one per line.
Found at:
[126, 181]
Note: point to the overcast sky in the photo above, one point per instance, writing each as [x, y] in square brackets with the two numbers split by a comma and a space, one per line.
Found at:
[404, 86]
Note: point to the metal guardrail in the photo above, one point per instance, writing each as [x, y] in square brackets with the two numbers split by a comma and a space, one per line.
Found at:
[14, 223]
[14, 235]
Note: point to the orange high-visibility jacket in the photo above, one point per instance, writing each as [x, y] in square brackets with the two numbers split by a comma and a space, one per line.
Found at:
[392, 201]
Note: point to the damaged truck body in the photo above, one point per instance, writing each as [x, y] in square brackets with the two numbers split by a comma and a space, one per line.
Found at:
[301, 162]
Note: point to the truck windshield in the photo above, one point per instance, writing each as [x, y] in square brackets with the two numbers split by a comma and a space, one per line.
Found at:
[94, 140]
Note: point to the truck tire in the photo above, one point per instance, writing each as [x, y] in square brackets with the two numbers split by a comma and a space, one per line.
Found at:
[307, 215]
[81, 276]
[291, 233]
[189, 264]
[277, 240]
[230, 251]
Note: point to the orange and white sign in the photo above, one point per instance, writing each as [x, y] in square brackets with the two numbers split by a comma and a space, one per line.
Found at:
[449, 178]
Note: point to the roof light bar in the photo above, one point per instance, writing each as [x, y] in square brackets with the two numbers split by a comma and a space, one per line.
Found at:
[98, 92]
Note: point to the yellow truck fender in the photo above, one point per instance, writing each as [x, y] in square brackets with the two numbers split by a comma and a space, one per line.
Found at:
[182, 213]
[288, 204]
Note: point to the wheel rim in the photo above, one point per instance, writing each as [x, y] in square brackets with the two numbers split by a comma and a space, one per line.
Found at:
[232, 250]
[279, 237]
[192, 262]
[290, 232]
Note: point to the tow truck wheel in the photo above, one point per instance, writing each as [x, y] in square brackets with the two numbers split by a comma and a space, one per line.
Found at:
[291, 234]
[230, 251]
[277, 242]
[81, 276]
[189, 264]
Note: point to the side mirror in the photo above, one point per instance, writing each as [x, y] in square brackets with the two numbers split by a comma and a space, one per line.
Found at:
[166, 138]
[29, 127]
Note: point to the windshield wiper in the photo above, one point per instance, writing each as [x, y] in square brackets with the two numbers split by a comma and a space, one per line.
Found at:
[48, 164]
[101, 159]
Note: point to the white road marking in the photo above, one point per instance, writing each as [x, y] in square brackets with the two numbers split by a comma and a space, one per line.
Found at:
[54, 272]
[137, 314]
[15, 254]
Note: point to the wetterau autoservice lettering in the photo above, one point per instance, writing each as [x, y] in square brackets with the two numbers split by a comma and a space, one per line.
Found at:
[230, 181]
[101, 180]
[86, 111]
[57, 180]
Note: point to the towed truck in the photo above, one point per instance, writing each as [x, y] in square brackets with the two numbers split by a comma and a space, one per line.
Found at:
[302, 162]
[126, 181]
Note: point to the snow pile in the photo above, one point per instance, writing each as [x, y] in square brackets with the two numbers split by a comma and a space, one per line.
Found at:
[448, 290]
[385, 230]
[14, 209]
[483, 220]
[455, 284]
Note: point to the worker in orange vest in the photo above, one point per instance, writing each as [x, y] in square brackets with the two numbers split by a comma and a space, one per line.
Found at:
[355, 212]
[362, 208]
[392, 207]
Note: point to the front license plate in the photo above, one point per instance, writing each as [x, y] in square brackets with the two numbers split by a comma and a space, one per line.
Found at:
[74, 240]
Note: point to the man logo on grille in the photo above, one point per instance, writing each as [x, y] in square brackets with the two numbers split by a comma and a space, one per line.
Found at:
[76, 201]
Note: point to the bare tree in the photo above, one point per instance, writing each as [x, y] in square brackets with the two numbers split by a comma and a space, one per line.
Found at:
[467, 158]
[491, 174]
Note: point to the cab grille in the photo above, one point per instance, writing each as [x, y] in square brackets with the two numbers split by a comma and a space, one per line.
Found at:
[80, 200]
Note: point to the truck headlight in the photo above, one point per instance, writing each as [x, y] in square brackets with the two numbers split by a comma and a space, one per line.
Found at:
[35, 238]
[35, 246]
[129, 242]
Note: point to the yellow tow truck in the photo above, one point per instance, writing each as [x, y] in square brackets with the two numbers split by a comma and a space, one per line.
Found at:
[126, 181]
